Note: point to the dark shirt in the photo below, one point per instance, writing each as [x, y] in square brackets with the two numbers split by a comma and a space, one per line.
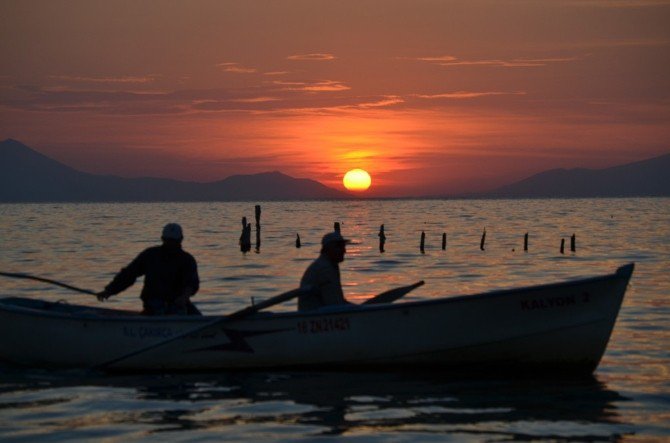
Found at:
[168, 271]
[322, 276]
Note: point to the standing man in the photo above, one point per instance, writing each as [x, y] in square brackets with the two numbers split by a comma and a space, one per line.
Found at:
[323, 275]
[170, 277]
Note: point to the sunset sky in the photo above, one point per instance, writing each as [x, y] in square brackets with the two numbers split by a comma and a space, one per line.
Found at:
[428, 96]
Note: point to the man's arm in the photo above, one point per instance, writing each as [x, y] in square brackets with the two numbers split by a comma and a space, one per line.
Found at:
[125, 278]
[191, 283]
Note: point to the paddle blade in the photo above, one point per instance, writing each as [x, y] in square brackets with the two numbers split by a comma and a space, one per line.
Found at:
[392, 295]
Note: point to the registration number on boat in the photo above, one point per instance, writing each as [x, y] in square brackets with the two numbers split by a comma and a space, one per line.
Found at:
[554, 302]
[147, 332]
[323, 325]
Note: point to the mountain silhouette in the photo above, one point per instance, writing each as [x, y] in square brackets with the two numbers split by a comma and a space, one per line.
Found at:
[28, 176]
[646, 178]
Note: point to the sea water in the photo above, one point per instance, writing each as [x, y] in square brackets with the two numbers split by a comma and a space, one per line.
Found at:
[628, 398]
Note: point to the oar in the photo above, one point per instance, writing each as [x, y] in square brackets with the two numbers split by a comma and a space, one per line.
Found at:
[392, 295]
[249, 310]
[46, 280]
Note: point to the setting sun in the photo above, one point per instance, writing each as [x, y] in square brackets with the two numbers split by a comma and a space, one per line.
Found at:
[357, 180]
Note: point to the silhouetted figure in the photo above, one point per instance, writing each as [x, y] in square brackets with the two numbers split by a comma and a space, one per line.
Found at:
[573, 243]
[323, 275]
[444, 241]
[422, 244]
[170, 277]
[481, 243]
[525, 242]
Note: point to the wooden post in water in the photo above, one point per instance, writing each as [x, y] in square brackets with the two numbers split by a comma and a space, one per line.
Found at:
[245, 238]
[241, 240]
[336, 227]
[382, 238]
[258, 227]
[562, 246]
[423, 242]
[525, 242]
[481, 243]
[573, 243]
[444, 241]
[297, 241]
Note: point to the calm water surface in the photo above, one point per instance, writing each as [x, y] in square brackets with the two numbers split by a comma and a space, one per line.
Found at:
[85, 244]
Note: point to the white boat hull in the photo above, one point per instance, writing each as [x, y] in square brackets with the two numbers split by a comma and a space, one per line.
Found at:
[560, 327]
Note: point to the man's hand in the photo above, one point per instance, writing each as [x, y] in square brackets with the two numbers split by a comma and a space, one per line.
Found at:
[103, 295]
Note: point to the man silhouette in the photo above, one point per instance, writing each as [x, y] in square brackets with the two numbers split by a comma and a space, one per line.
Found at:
[170, 277]
[323, 275]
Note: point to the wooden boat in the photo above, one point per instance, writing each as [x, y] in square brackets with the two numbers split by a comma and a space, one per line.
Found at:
[562, 327]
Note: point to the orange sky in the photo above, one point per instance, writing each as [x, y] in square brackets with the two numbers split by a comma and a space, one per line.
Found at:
[429, 96]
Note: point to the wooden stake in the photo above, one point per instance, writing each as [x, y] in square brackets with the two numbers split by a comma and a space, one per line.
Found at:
[444, 241]
[525, 242]
[245, 238]
[481, 243]
[382, 238]
[423, 242]
[258, 227]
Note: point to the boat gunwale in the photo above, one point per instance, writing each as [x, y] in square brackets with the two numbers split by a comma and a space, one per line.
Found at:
[623, 272]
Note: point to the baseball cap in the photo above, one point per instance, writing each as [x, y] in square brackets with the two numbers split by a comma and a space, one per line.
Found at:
[172, 231]
[333, 237]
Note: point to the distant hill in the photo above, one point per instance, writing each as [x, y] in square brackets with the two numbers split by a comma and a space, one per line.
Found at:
[28, 176]
[639, 179]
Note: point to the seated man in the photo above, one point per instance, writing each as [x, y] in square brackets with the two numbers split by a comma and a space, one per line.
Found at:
[323, 275]
[170, 277]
